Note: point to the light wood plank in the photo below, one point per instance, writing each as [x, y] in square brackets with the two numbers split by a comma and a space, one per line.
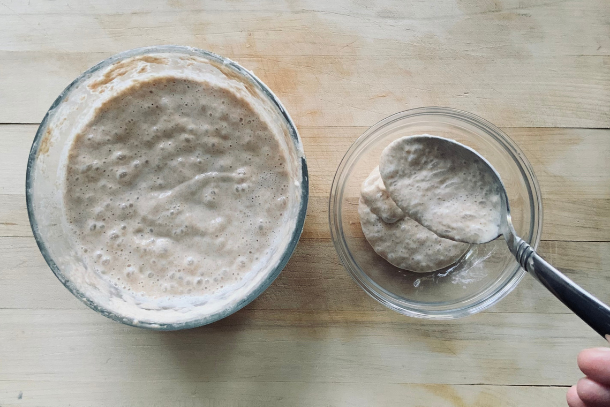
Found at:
[266, 27]
[571, 166]
[15, 143]
[300, 346]
[569, 163]
[328, 49]
[313, 280]
[192, 393]
[14, 216]
[353, 91]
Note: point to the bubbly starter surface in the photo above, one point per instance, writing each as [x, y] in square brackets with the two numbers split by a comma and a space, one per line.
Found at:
[176, 187]
[444, 186]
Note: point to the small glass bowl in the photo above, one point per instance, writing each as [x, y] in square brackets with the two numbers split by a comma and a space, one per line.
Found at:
[45, 200]
[486, 273]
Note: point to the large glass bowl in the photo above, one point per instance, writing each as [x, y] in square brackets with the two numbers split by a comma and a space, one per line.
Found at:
[487, 272]
[45, 179]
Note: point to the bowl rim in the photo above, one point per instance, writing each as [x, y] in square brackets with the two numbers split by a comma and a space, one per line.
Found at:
[373, 289]
[294, 137]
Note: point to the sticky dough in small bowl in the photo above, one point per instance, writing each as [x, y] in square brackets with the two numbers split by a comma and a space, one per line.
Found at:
[487, 272]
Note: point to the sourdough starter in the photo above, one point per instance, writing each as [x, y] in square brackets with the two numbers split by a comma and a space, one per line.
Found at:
[443, 185]
[176, 187]
[399, 239]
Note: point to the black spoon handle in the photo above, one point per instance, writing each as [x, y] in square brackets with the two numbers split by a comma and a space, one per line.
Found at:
[586, 306]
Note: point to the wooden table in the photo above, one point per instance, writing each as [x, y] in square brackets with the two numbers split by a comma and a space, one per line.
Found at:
[540, 69]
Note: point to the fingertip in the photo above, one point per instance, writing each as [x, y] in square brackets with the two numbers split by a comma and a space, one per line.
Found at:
[573, 399]
[591, 353]
[593, 393]
[595, 363]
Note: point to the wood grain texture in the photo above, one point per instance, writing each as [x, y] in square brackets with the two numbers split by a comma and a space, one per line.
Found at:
[339, 63]
[313, 280]
[311, 27]
[296, 346]
[540, 69]
[192, 393]
[327, 90]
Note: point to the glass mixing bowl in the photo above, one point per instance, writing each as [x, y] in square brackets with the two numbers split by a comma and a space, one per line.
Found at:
[486, 273]
[45, 179]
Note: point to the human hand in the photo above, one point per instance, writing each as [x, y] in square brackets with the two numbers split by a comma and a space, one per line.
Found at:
[593, 390]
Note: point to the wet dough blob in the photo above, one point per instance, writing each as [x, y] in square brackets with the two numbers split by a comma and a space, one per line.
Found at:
[376, 197]
[400, 240]
[408, 245]
[443, 185]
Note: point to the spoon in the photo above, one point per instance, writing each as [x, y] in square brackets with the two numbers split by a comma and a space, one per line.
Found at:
[591, 310]
[436, 161]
